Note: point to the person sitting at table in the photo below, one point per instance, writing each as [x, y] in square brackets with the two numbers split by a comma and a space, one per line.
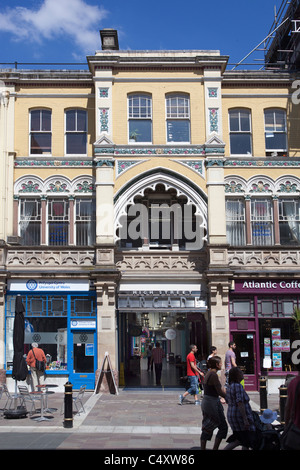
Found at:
[38, 376]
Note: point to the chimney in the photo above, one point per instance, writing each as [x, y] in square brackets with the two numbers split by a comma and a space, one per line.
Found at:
[109, 39]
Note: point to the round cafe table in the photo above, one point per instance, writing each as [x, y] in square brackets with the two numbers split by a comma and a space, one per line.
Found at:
[42, 417]
[46, 386]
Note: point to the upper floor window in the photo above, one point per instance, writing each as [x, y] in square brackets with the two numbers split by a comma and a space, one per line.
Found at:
[178, 118]
[40, 132]
[235, 221]
[58, 221]
[140, 118]
[30, 221]
[76, 132]
[261, 221]
[85, 221]
[275, 132]
[289, 221]
[240, 132]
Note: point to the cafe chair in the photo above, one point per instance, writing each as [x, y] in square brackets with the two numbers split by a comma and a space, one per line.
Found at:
[27, 397]
[77, 399]
[9, 397]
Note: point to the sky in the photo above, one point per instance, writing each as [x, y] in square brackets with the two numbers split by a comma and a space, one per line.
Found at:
[66, 31]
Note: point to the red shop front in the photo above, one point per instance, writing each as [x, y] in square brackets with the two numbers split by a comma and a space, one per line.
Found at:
[262, 327]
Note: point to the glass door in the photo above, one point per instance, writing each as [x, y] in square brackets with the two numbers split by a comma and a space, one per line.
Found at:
[246, 358]
[83, 358]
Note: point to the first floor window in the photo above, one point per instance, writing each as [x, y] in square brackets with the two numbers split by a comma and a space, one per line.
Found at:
[262, 221]
[30, 221]
[85, 221]
[289, 221]
[275, 132]
[235, 221]
[76, 132]
[58, 221]
[140, 118]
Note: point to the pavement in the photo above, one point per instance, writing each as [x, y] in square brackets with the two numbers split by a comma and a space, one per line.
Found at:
[128, 422]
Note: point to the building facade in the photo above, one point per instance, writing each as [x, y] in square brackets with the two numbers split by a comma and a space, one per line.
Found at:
[154, 198]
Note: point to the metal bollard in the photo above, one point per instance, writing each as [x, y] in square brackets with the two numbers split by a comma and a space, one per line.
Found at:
[68, 401]
[282, 401]
[263, 394]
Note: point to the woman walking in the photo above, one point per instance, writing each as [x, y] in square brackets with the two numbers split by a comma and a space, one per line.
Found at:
[212, 409]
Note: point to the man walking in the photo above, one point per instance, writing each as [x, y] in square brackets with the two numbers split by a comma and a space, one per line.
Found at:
[230, 359]
[193, 376]
[157, 357]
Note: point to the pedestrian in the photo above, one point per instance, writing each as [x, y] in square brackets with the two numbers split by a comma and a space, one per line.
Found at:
[230, 359]
[149, 354]
[156, 358]
[212, 409]
[239, 413]
[212, 352]
[37, 376]
[193, 376]
[292, 407]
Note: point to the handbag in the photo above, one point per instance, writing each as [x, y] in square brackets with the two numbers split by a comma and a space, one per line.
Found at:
[39, 365]
[290, 438]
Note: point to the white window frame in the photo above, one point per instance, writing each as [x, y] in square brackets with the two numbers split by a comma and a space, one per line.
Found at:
[239, 110]
[178, 115]
[47, 154]
[76, 131]
[139, 114]
[274, 131]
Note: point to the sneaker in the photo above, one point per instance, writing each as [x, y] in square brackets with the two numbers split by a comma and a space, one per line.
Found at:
[181, 398]
[197, 402]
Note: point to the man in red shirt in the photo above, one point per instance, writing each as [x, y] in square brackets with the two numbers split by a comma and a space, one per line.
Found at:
[38, 377]
[193, 376]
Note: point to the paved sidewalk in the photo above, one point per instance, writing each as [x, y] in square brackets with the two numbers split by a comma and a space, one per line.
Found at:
[133, 419]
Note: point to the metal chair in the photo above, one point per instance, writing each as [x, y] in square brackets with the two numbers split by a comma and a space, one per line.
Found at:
[78, 399]
[9, 397]
[27, 397]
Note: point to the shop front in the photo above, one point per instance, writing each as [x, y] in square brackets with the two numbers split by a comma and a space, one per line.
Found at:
[173, 316]
[262, 327]
[60, 315]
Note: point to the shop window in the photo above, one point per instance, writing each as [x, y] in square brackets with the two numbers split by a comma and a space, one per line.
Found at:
[261, 221]
[140, 118]
[58, 222]
[85, 221]
[240, 132]
[235, 222]
[83, 306]
[30, 221]
[178, 118]
[40, 132]
[289, 221]
[275, 132]
[76, 132]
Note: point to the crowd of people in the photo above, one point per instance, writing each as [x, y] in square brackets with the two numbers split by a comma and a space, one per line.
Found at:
[246, 431]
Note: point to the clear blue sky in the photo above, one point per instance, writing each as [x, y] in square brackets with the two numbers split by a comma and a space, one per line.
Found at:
[68, 30]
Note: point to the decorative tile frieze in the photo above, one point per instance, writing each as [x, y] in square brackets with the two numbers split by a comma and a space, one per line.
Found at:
[52, 163]
[123, 165]
[103, 119]
[195, 165]
[214, 119]
[262, 163]
[213, 92]
[103, 92]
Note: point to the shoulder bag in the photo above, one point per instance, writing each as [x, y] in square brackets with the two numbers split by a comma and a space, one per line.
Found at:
[290, 438]
[39, 365]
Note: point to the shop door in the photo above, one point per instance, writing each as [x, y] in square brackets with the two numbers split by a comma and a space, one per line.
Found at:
[246, 358]
[83, 359]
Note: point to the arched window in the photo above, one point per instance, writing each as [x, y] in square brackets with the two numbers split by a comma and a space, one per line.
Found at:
[76, 132]
[140, 118]
[240, 132]
[178, 118]
[275, 132]
[40, 132]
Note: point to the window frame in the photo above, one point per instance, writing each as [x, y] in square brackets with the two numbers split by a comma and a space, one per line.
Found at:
[267, 221]
[65, 219]
[37, 219]
[40, 131]
[240, 131]
[69, 133]
[131, 116]
[184, 116]
[240, 220]
[278, 151]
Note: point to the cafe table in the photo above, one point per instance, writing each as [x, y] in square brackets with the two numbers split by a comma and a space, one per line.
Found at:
[42, 417]
[47, 392]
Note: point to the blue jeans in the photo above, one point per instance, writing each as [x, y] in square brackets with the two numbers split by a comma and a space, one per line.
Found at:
[194, 387]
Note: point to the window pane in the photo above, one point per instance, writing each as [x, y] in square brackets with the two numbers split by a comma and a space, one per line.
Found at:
[235, 222]
[234, 121]
[81, 120]
[70, 121]
[178, 130]
[40, 143]
[245, 121]
[276, 141]
[76, 143]
[261, 217]
[35, 120]
[240, 144]
[46, 120]
[140, 130]
[58, 233]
